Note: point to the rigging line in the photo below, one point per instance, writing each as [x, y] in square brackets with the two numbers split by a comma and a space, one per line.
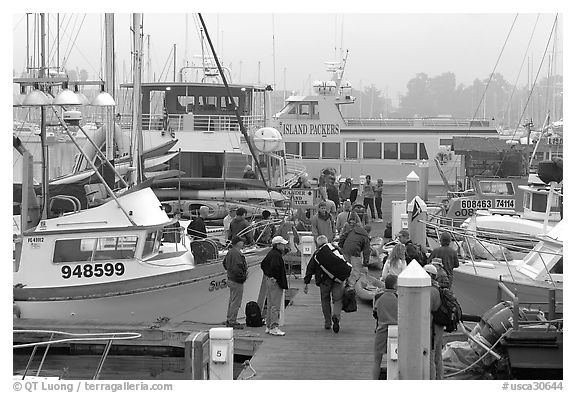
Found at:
[521, 67]
[73, 45]
[537, 73]
[493, 71]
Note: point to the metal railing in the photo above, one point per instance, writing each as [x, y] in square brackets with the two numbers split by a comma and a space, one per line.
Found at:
[69, 338]
[187, 122]
[410, 123]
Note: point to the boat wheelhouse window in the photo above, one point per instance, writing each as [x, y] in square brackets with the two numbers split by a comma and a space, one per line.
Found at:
[390, 151]
[423, 152]
[305, 109]
[187, 102]
[292, 148]
[86, 250]
[292, 109]
[446, 142]
[539, 202]
[408, 151]
[152, 243]
[372, 150]
[310, 149]
[351, 150]
[314, 111]
[496, 187]
[331, 150]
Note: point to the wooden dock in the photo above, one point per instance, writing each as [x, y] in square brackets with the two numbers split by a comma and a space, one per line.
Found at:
[308, 351]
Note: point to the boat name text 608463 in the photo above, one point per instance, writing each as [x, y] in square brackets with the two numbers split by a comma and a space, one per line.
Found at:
[96, 270]
[310, 129]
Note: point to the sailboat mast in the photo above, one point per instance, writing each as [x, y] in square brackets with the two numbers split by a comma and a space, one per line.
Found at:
[137, 174]
[110, 82]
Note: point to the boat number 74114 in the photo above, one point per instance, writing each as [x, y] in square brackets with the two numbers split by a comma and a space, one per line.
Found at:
[96, 270]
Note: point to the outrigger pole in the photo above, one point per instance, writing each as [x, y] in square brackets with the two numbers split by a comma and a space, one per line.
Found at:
[231, 101]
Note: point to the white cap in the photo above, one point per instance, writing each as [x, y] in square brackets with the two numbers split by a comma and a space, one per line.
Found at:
[431, 269]
[279, 240]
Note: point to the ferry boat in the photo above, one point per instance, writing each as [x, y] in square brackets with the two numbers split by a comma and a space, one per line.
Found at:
[314, 129]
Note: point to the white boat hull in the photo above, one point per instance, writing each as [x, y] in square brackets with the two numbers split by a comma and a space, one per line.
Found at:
[202, 298]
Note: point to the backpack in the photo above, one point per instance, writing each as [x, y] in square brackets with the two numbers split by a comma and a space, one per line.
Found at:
[449, 313]
[332, 263]
[420, 251]
[253, 315]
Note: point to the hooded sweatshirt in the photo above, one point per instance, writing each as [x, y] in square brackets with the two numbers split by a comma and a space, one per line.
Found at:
[237, 225]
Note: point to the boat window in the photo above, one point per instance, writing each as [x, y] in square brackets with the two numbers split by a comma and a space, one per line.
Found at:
[390, 151]
[496, 187]
[351, 150]
[151, 244]
[292, 148]
[291, 109]
[314, 108]
[408, 151]
[331, 150]
[446, 142]
[305, 109]
[86, 250]
[539, 202]
[423, 152]
[310, 149]
[372, 150]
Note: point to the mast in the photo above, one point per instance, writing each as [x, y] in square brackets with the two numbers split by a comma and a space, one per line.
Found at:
[109, 82]
[137, 174]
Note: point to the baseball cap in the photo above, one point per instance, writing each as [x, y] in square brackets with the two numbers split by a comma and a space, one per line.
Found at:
[279, 240]
[431, 269]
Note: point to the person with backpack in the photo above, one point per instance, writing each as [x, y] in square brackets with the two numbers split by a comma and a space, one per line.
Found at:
[436, 330]
[265, 232]
[330, 271]
[276, 282]
[447, 255]
[237, 272]
[342, 218]
[386, 314]
[413, 251]
[238, 225]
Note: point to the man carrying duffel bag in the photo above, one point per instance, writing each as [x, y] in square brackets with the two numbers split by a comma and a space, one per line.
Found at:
[331, 270]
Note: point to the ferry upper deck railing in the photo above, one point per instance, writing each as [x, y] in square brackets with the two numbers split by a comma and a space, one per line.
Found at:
[414, 123]
[68, 338]
[187, 122]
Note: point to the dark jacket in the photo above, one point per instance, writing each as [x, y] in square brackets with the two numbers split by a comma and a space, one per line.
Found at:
[237, 225]
[273, 266]
[449, 258]
[235, 265]
[412, 252]
[314, 268]
[197, 228]
[356, 242]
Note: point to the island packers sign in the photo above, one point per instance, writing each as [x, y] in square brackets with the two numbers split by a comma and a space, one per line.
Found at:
[321, 129]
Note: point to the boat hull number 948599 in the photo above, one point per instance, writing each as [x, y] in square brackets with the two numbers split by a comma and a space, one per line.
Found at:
[96, 270]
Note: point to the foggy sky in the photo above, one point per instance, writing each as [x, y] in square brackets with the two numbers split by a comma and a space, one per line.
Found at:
[385, 49]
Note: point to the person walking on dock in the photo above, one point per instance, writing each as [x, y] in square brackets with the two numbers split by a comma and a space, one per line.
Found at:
[323, 223]
[436, 331]
[356, 246]
[378, 189]
[386, 314]
[237, 272]
[396, 261]
[276, 282]
[412, 250]
[368, 195]
[331, 289]
[342, 218]
[447, 255]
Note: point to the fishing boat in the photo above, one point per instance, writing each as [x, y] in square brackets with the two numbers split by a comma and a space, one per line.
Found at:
[314, 129]
[107, 262]
[534, 278]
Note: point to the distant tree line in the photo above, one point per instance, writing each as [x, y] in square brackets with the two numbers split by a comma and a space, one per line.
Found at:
[440, 96]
